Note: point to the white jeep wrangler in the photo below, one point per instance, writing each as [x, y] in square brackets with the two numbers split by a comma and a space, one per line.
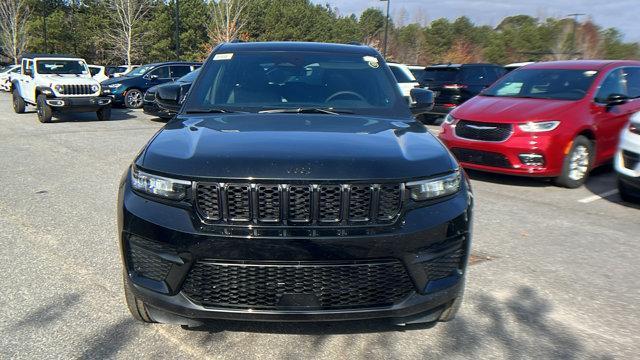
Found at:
[56, 84]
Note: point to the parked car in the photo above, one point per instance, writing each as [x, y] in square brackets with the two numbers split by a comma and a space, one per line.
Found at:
[98, 72]
[57, 84]
[129, 90]
[627, 161]
[151, 107]
[117, 71]
[453, 84]
[405, 79]
[513, 66]
[554, 119]
[294, 185]
[5, 76]
[418, 71]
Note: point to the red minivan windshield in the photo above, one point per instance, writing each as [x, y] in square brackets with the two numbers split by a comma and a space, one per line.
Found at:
[543, 84]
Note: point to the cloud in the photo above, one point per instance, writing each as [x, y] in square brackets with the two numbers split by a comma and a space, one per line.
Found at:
[615, 13]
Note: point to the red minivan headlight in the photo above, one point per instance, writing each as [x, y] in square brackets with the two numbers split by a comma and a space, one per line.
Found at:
[539, 126]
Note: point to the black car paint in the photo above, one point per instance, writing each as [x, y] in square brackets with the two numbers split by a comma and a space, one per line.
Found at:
[455, 96]
[141, 82]
[278, 148]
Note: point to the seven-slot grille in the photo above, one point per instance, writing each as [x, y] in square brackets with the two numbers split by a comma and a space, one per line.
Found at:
[483, 131]
[77, 90]
[299, 204]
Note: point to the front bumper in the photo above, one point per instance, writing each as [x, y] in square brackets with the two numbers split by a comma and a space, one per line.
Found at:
[80, 104]
[410, 242]
[151, 108]
[628, 152]
[116, 95]
[551, 147]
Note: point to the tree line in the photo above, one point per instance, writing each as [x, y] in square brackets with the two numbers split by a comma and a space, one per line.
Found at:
[142, 31]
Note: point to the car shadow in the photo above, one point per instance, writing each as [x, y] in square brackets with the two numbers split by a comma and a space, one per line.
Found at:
[519, 324]
[604, 179]
[116, 115]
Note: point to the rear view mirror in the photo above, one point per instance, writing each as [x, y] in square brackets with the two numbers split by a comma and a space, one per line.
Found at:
[171, 96]
[422, 101]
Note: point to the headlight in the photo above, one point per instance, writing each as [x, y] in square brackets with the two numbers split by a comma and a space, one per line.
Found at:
[114, 86]
[449, 119]
[434, 188]
[159, 185]
[539, 126]
[59, 88]
[95, 88]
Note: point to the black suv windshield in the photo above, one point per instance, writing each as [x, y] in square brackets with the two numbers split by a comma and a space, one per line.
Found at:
[61, 67]
[266, 80]
[544, 84]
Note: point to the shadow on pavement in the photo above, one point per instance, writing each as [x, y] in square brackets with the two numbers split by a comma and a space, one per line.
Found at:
[116, 115]
[50, 312]
[519, 326]
[604, 179]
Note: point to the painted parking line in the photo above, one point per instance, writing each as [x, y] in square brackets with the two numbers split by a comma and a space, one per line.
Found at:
[598, 196]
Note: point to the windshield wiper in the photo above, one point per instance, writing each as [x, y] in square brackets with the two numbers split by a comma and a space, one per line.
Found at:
[210, 111]
[329, 111]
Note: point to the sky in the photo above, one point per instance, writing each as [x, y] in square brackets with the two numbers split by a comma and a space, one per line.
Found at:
[621, 14]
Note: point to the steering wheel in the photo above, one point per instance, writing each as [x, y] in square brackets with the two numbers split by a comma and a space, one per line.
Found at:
[340, 93]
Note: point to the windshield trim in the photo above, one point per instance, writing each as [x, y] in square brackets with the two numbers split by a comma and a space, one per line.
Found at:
[397, 110]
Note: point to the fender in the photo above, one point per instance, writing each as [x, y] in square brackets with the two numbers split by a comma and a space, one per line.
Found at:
[47, 91]
[15, 85]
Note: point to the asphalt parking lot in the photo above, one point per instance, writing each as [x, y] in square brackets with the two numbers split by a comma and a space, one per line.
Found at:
[555, 272]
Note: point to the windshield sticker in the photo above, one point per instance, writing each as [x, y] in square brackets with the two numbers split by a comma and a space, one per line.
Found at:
[227, 56]
[372, 61]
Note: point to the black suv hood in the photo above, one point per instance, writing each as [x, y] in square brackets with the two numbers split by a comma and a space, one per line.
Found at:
[295, 146]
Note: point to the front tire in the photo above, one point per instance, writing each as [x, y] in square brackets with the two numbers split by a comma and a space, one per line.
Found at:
[136, 307]
[44, 111]
[133, 99]
[18, 103]
[577, 164]
[104, 114]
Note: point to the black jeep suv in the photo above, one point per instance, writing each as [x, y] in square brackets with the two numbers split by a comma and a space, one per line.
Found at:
[294, 185]
[453, 84]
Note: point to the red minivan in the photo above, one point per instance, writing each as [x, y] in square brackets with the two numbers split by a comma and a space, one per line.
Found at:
[554, 119]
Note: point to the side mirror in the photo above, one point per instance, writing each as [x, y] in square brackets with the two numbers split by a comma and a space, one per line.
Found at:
[153, 77]
[616, 99]
[422, 101]
[170, 96]
[28, 72]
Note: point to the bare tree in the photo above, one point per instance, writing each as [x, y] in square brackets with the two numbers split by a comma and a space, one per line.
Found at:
[227, 20]
[13, 27]
[127, 36]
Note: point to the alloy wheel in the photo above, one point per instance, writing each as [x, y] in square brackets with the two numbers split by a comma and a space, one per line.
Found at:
[579, 163]
[134, 99]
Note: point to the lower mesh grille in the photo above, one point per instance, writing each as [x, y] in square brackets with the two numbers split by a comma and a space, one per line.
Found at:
[147, 264]
[305, 285]
[444, 265]
[630, 159]
[481, 157]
